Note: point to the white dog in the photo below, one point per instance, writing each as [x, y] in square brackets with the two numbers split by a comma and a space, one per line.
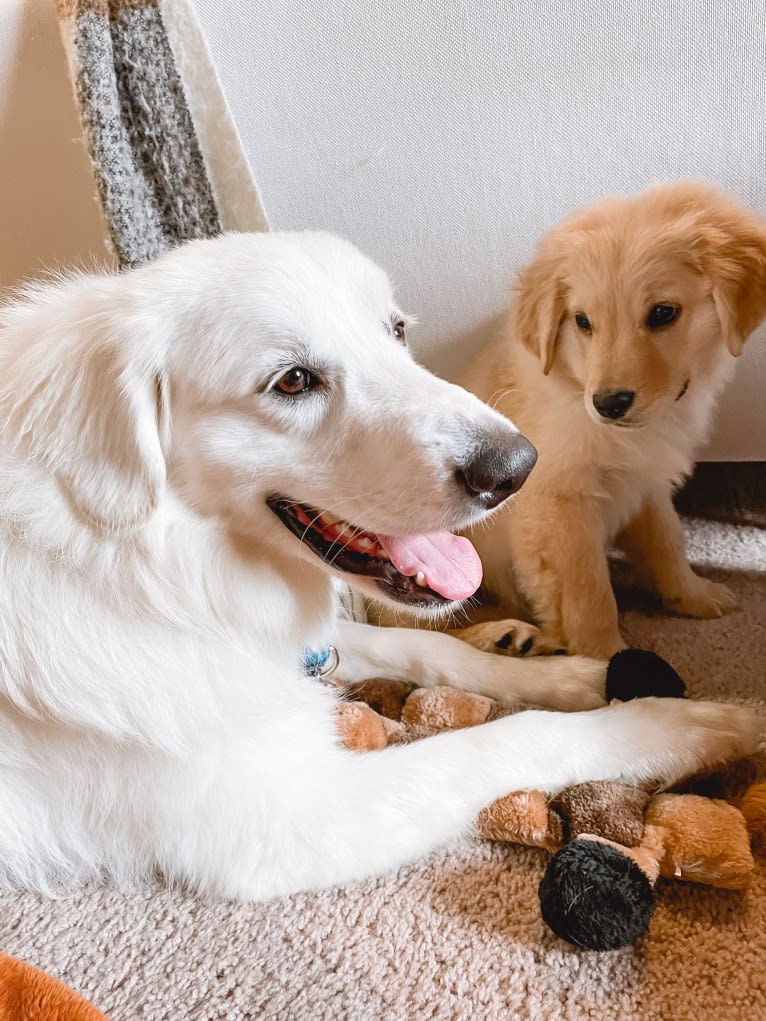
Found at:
[168, 439]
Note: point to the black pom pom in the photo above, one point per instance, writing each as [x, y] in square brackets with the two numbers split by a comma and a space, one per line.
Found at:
[636, 673]
[595, 897]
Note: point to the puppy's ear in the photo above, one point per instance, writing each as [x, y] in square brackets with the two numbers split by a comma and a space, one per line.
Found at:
[539, 307]
[736, 265]
[731, 246]
[95, 413]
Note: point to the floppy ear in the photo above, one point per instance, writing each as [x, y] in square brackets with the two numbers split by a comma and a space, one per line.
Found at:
[95, 416]
[731, 244]
[737, 269]
[539, 308]
[115, 467]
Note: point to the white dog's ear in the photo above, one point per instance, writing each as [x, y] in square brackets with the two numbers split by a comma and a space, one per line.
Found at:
[117, 474]
[95, 415]
[539, 307]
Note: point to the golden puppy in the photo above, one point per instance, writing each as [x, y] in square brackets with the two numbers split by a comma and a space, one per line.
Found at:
[626, 326]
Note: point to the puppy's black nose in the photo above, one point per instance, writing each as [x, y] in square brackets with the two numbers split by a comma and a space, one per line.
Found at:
[495, 473]
[613, 403]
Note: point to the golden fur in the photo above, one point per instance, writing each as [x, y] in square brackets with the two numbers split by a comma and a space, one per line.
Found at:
[598, 480]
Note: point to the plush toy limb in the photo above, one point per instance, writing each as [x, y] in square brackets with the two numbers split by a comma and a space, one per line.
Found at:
[391, 712]
[523, 817]
[753, 808]
[436, 709]
[705, 841]
[28, 994]
[384, 696]
[361, 729]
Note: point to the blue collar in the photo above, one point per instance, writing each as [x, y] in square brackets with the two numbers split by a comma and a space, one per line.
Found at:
[320, 663]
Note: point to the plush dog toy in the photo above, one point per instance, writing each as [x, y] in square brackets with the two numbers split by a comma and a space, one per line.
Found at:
[598, 888]
[611, 842]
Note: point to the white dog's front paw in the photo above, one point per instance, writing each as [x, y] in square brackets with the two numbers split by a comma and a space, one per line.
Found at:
[577, 683]
[705, 599]
[569, 684]
[667, 739]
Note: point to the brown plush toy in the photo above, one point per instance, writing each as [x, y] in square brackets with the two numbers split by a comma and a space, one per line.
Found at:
[598, 889]
[611, 842]
[27, 994]
[393, 712]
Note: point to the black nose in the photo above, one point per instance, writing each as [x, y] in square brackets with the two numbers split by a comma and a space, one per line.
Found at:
[613, 403]
[495, 473]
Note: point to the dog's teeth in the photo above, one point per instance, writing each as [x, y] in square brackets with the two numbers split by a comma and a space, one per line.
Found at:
[420, 579]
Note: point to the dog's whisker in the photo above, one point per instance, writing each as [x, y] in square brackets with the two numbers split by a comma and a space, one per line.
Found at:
[498, 395]
[355, 533]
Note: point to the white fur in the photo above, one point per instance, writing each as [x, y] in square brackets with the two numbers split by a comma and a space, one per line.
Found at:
[153, 610]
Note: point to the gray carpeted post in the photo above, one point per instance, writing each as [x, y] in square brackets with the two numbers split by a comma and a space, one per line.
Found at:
[151, 175]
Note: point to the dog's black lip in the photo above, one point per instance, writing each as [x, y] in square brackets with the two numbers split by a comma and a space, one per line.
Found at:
[396, 585]
[621, 423]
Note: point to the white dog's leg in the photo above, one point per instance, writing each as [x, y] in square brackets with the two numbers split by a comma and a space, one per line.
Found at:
[429, 658]
[347, 815]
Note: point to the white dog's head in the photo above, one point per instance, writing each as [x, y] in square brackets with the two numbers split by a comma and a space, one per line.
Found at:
[264, 379]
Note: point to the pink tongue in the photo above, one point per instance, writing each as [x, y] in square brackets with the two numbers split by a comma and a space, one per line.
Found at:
[449, 563]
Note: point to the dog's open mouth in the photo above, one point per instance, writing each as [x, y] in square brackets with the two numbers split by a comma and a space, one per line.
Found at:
[420, 570]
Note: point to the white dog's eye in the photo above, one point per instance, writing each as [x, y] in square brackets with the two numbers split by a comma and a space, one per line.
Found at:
[400, 330]
[583, 323]
[295, 381]
[662, 315]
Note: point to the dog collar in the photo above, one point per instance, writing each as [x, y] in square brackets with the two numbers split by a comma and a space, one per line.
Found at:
[320, 663]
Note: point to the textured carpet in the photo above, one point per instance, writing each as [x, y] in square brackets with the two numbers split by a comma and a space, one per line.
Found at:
[457, 936]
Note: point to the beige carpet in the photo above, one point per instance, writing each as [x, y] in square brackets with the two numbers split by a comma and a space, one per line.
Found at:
[457, 936]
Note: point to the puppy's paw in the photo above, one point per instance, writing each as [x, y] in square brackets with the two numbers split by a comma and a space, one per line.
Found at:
[507, 637]
[704, 599]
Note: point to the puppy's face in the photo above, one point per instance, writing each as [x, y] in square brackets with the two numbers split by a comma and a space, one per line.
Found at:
[637, 327]
[265, 380]
[641, 299]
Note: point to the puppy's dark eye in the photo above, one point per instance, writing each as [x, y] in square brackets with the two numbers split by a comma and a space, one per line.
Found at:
[400, 330]
[295, 381]
[583, 323]
[662, 315]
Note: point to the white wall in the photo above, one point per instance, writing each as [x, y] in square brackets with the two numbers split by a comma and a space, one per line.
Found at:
[444, 137]
[441, 137]
[48, 213]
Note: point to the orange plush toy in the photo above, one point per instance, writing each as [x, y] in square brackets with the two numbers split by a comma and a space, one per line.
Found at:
[610, 842]
[27, 994]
